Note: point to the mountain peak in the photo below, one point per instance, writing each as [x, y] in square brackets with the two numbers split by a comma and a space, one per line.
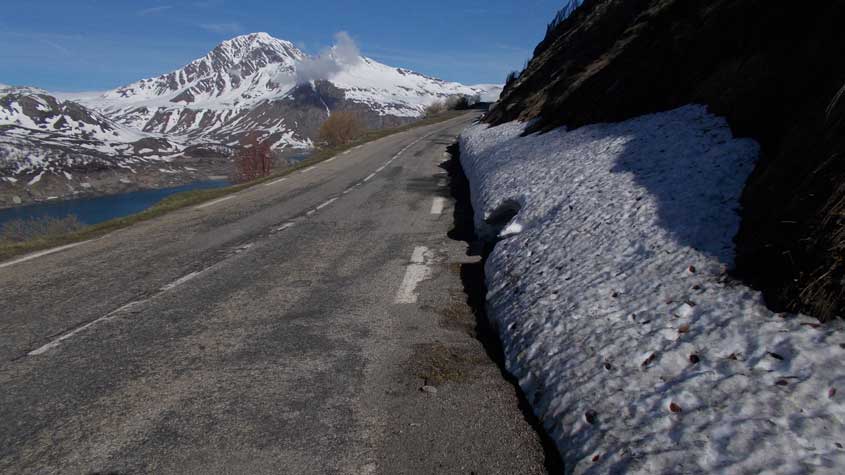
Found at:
[251, 52]
[254, 39]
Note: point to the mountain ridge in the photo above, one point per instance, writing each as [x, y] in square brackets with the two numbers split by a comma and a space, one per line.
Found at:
[249, 85]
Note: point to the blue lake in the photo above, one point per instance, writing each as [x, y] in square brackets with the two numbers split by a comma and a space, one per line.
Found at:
[103, 208]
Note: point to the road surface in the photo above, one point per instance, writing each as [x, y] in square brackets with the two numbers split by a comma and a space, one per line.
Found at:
[286, 329]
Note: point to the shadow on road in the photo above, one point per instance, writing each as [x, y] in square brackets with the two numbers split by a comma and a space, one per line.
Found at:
[472, 277]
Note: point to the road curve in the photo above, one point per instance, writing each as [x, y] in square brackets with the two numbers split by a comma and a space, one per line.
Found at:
[285, 329]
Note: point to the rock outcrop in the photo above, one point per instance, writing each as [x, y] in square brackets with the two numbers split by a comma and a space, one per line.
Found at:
[773, 69]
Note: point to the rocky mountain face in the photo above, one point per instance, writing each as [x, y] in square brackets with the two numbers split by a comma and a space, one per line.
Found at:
[42, 134]
[771, 68]
[252, 84]
[249, 85]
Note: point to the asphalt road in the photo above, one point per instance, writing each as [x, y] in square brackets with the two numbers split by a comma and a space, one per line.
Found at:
[286, 329]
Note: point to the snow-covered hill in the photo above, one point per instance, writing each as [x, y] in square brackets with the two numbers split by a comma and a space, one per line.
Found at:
[214, 97]
[251, 84]
[40, 133]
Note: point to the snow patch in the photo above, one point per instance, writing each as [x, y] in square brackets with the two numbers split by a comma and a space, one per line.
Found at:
[636, 349]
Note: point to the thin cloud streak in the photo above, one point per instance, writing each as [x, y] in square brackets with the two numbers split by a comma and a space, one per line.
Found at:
[223, 28]
[154, 10]
[56, 46]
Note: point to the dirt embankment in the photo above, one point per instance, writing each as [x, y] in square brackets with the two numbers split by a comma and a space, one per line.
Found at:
[773, 69]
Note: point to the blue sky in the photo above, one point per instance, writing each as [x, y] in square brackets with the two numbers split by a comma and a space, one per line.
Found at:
[87, 45]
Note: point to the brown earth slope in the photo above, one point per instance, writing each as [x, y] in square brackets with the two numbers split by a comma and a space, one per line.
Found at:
[774, 69]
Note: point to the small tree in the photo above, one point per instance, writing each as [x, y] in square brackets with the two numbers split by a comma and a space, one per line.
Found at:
[253, 160]
[340, 128]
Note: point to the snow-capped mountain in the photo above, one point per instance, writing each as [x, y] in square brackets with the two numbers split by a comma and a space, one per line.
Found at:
[40, 133]
[251, 84]
[206, 97]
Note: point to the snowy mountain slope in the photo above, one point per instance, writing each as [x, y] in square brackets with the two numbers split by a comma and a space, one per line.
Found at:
[395, 91]
[489, 92]
[214, 98]
[249, 85]
[40, 133]
[204, 99]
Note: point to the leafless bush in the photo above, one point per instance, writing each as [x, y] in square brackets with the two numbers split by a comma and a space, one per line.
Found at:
[563, 14]
[253, 160]
[340, 128]
[512, 77]
[21, 230]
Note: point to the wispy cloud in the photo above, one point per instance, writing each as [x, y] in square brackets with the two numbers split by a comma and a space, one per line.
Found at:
[223, 28]
[154, 10]
[55, 46]
[208, 3]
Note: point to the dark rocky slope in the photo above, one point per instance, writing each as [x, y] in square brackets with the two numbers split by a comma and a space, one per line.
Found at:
[773, 69]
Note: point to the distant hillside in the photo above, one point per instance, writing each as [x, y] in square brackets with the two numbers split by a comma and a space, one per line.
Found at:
[260, 83]
[773, 69]
[181, 126]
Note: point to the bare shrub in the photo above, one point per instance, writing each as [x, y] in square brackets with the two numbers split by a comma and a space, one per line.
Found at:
[22, 230]
[512, 77]
[340, 128]
[253, 160]
[562, 14]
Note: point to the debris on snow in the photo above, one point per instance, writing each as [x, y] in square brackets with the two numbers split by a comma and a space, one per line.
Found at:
[694, 385]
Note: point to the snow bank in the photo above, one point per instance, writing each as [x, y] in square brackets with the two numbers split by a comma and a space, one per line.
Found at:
[636, 349]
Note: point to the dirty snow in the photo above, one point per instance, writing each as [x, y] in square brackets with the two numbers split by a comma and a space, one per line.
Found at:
[635, 348]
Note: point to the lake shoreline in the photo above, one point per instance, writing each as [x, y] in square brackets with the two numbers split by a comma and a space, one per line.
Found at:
[92, 210]
[87, 184]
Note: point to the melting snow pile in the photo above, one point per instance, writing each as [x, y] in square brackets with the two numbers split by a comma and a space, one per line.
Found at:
[610, 292]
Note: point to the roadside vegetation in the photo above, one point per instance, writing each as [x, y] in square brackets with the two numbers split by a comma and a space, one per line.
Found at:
[340, 129]
[253, 160]
[564, 13]
[9, 249]
[23, 230]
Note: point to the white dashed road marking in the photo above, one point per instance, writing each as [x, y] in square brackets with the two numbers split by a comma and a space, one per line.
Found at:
[55, 343]
[326, 204]
[44, 253]
[212, 203]
[180, 281]
[176, 283]
[417, 271]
